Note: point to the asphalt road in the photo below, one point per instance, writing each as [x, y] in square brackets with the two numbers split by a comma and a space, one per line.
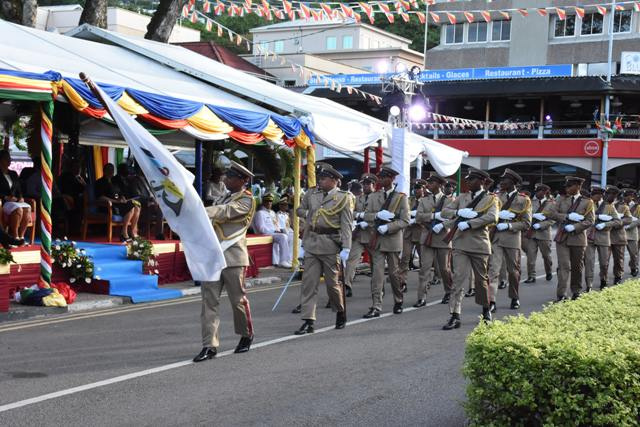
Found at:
[131, 365]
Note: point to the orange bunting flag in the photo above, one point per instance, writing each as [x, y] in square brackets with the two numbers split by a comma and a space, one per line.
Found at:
[327, 10]
[405, 4]
[209, 25]
[230, 35]
[486, 15]
[524, 12]
[357, 17]
[219, 8]
[619, 7]
[287, 8]
[602, 10]
[194, 18]
[306, 12]
[542, 12]
[636, 7]
[368, 10]
[562, 15]
[405, 16]
[579, 11]
[279, 14]
[185, 11]
[219, 31]
[421, 17]
[346, 10]
[206, 7]
[452, 18]
[435, 17]
[469, 16]
[390, 17]
[384, 7]
[505, 15]
[317, 15]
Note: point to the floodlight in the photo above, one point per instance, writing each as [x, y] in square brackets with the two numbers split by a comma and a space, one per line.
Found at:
[417, 112]
[394, 110]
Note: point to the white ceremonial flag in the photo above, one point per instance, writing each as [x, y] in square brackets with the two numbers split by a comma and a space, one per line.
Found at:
[173, 190]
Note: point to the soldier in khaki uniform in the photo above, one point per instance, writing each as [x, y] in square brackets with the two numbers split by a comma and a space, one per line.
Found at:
[474, 212]
[538, 238]
[618, 233]
[231, 217]
[574, 214]
[632, 229]
[514, 218]
[598, 238]
[434, 250]
[362, 231]
[388, 213]
[411, 234]
[327, 242]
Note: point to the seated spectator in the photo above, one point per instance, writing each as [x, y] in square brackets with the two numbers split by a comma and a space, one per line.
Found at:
[73, 183]
[31, 180]
[214, 188]
[266, 222]
[284, 220]
[107, 191]
[140, 190]
[13, 205]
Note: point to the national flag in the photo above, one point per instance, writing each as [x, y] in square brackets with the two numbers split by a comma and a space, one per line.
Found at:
[469, 16]
[306, 12]
[327, 10]
[206, 7]
[346, 10]
[421, 17]
[562, 14]
[368, 10]
[505, 15]
[579, 11]
[601, 10]
[209, 25]
[452, 18]
[231, 11]
[194, 18]
[405, 16]
[173, 190]
[524, 12]
[435, 17]
[486, 15]
[542, 12]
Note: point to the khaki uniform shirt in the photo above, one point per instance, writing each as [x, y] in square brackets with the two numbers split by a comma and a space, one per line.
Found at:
[360, 235]
[559, 212]
[425, 217]
[618, 233]
[231, 218]
[391, 241]
[521, 207]
[413, 231]
[476, 238]
[632, 228]
[544, 232]
[328, 223]
[602, 237]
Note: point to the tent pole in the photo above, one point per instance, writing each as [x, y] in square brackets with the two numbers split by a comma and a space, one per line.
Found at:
[46, 224]
[379, 157]
[198, 165]
[366, 161]
[296, 204]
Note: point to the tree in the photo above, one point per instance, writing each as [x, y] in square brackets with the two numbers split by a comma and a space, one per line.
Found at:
[21, 12]
[94, 13]
[163, 20]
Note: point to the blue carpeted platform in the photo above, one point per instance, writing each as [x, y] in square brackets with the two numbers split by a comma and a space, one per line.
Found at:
[125, 276]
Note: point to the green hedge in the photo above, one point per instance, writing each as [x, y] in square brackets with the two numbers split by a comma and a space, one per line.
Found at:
[573, 364]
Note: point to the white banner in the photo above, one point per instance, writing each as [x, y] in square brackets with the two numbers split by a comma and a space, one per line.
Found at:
[399, 159]
[172, 187]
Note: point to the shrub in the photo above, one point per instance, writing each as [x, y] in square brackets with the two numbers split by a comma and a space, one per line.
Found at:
[575, 363]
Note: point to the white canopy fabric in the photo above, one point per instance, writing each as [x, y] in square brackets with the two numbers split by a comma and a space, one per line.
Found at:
[335, 126]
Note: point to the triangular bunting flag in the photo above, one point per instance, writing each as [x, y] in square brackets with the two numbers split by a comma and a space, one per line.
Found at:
[346, 10]
[562, 15]
[469, 16]
[206, 7]
[505, 14]
[327, 10]
[219, 30]
[421, 17]
[636, 6]
[601, 10]
[486, 15]
[194, 18]
[523, 12]
[209, 25]
[435, 17]
[542, 12]
[405, 16]
[452, 18]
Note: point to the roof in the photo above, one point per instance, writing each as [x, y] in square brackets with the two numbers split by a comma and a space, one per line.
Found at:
[224, 56]
[62, 8]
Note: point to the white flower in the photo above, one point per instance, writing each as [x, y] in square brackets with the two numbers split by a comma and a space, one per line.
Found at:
[97, 277]
[78, 266]
[65, 238]
[87, 280]
[156, 271]
[73, 243]
[64, 265]
[72, 280]
[57, 247]
[135, 243]
[136, 254]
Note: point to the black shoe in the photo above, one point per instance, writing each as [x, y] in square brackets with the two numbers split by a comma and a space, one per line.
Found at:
[397, 308]
[575, 296]
[617, 280]
[306, 328]
[561, 299]
[634, 272]
[341, 319]
[603, 284]
[372, 313]
[515, 304]
[446, 298]
[549, 276]
[297, 310]
[502, 284]
[587, 289]
[206, 353]
[420, 303]
[348, 292]
[530, 280]
[328, 304]
[453, 323]
[470, 293]
[11, 242]
[486, 315]
[492, 307]
[244, 345]
[403, 288]
[125, 239]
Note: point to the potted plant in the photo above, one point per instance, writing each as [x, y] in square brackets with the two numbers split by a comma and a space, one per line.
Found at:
[74, 261]
[142, 250]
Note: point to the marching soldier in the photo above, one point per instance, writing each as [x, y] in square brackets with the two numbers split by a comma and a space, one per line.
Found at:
[598, 238]
[327, 242]
[574, 214]
[362, 232]
[434, 250]
[474, 211]
[411, 234]
[231, 218]
[387, 211]
[538, 238]
[514, 218]
[632, 230]
[618, 233]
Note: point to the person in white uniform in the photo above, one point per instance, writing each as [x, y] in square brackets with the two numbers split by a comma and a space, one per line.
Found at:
[266, 222]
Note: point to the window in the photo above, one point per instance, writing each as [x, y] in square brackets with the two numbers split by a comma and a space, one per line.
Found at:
[453, 33]
[289, 83]
[592, 24]
[622, 21]
[347, 42]
[501, 31]
[264, 46]
[477, 32]
[278, 46]
[566, 27]
[332, 43]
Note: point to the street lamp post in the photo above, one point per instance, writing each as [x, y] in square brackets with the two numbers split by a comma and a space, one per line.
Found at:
[607, 101]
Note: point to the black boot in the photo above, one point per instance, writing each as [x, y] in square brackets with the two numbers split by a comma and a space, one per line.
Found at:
[372, 313]
[306, 328]
[549, 276]
[348, 292]
[328, 304]
[244, 345]
[341, 319]
[530, 280]
[486, 314]
[206, 353]
[502, 284]
[603, 284]
[297, 310]
[587, 289]
[492, 306]
[453, 323]
[446, 298]
[397, 308]
[515, 304]
[634, 272]
[470, 293]
[420, 303]
[575, 296]
[617, 280]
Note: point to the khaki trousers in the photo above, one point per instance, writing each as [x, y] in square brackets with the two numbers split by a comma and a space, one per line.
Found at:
[316, 266]
[508, 258]
[632, 247]
[532, 246]
[465, 264]
[406, 257]
[355, 256]
[232, 280]
[440, 258]
[570, 267]
[618, 260]
[377, 277]
[590, 260]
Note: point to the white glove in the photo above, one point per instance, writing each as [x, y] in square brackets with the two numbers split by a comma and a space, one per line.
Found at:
[467, 213]
[463, 225]
[506, 215]
[437, 228]
[502, 226]
[344, 255]
[575, 217]
[383, 229]
[539, 216]
[536, 226]
[359, 215]
[626, 227]
[633, 218]
[385, 215]
[601, 226]
[570, 228]
[363, 224]
[438, 216]
[603, 217]
[412, 221]
[354, 225]
[413, 213]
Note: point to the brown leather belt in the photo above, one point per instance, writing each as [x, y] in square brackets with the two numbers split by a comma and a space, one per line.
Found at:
[325, 231]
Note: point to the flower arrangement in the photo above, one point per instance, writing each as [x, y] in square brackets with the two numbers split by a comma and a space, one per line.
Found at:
[6, 257]
[142, 250]
[77, 263]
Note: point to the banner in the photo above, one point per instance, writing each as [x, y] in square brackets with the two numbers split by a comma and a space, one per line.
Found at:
[399, 159]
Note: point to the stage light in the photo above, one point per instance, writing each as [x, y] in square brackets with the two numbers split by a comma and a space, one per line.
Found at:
[417, 112]
[469, 106]
[401, 68]
[394, 111]
[382, 67]
[547, 117]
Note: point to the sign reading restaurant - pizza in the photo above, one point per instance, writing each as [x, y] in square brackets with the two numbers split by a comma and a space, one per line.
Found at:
[563, 70]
